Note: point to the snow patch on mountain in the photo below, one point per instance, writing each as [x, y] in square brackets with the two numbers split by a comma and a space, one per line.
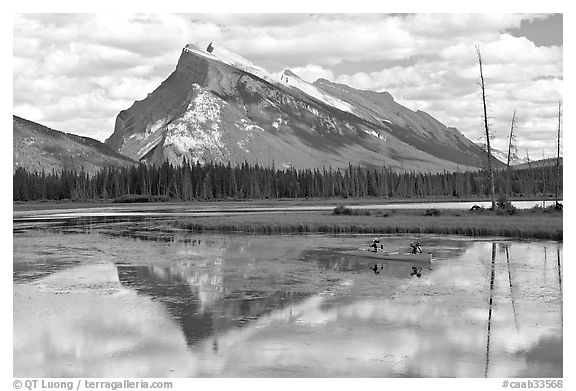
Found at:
[248, 127]
[293, 80]
[153, 141]
[241, 144]
[155, 126]
[153, 133]
[252, 127]
[137, 136]
[198, 130]
[374, 133]
[312, 110]
[279, 121]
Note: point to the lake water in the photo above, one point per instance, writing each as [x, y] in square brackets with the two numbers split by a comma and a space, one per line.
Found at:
[138, 299]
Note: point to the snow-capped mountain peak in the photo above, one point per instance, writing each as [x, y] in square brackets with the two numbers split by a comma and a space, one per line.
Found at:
[503, 156]
[220, 53]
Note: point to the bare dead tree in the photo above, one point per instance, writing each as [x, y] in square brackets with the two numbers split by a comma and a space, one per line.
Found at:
[511, 152]
[557, 184]
[488, 150]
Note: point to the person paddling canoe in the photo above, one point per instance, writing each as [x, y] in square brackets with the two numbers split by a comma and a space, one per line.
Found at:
[416, 249]
[374, 245]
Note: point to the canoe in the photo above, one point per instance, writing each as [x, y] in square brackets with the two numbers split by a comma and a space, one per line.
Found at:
[383, 256]
[416, 259]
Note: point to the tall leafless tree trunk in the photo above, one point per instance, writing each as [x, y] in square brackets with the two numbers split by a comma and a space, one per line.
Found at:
[511, 153]
[488, 150]
[557, 185]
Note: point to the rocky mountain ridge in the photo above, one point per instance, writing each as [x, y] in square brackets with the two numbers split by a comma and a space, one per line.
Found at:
[217, 106]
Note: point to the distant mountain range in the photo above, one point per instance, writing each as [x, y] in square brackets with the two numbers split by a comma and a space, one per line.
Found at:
[217, 106]
[522, 162]
[37, 147]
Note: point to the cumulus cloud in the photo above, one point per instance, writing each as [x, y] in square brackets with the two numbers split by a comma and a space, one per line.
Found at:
[75, 72]
[518, 73]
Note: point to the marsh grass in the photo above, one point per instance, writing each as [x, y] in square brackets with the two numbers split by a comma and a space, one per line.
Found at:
[524, 224]
[343, 210]
[137, 198]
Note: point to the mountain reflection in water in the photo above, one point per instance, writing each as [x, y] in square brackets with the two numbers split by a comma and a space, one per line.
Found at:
[275, 306]
[198, 301]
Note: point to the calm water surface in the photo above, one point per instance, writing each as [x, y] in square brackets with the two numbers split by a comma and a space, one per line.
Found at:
[138, 299]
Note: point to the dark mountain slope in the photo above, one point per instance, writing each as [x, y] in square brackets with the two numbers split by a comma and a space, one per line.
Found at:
[37, 147]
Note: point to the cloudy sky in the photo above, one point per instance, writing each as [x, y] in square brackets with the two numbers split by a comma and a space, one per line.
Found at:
[75, 72]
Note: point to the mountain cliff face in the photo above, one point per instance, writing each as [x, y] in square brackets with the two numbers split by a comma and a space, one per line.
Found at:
[37, 148]
[416, 128]
[217, 106]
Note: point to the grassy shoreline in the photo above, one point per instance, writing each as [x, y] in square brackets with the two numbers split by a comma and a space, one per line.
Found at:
[70, 204]
[529, 223]
[524, 224]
